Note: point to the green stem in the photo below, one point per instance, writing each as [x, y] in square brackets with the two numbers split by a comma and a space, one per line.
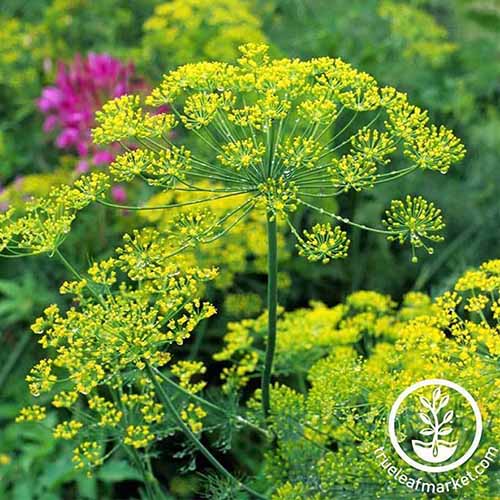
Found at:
[147, 480]
[169, 406]
[68, 265]
[208, 404]
[272, 307]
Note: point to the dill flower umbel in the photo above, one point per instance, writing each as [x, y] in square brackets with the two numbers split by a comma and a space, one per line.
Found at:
[259, 118]
[131, 311]
[253, 135]
[355, 359]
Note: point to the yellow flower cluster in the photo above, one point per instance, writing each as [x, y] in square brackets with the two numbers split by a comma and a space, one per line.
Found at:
[185, 371]
[327, 432]
[414, 219]
[353, 172]
[278, 196]
[419, 33]
[33, 413]
[305, 335]
[242, 154]
[87, 456]
[41, 225]
[129, 311]
[32, 186]
[194, 415]
[123, 118]
[23, 47]
[324, 243]
[299, 152]
[67, 430]
[435, 149]
[373, 145]
[270, 123]
[138, 436]
[157, 169]
[193, 30]
[244, 251]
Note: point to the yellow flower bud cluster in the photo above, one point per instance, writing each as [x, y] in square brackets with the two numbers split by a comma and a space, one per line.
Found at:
[320, 110]
[41, 377]
[416, 220]
[186, 371]
[108, 413]
[324, 243]
[435, 149]
[43, 224]
[67, 430]
[242, 154]
[157, 169]
[33, 413]
[245, 250]
[299, 152]
[131, 310]
[193, 415]
[373, 145]
[271, 125]
[183, 31]
[87, 456]
[353, 172]
[123, 118]
[138, 436]
[279, 196]
[191, 228]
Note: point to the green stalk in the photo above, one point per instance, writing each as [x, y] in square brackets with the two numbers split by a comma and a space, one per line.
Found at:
[147, 479]
[272, 306]
[169, 406]
[208, 404]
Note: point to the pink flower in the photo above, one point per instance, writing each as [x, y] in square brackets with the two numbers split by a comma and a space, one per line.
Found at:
[81, 88]
[119, 194]
[82, 167]
[103, 158]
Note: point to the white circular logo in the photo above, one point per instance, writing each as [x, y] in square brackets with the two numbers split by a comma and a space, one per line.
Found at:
[436, 413]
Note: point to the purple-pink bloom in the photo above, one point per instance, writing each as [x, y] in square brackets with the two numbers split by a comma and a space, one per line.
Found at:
[119, 194]
[81, 88]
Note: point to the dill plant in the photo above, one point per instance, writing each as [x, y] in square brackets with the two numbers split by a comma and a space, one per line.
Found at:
[277, 135]
[358, 357]
[270, 125]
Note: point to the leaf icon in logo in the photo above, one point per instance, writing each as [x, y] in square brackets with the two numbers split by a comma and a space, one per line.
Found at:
[445, 431]
[444, 401]
[436, 394]
[425, 402]
[427, 431]
[425, 419]
[448, 416]
[437, 450]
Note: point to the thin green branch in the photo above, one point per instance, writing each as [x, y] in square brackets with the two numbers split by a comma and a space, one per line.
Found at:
[172, 205]
[169, 406]
[345, 220]
[272, 307]
[210, 405]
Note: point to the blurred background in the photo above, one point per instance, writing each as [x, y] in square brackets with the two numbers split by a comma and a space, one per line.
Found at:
[61, 60]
